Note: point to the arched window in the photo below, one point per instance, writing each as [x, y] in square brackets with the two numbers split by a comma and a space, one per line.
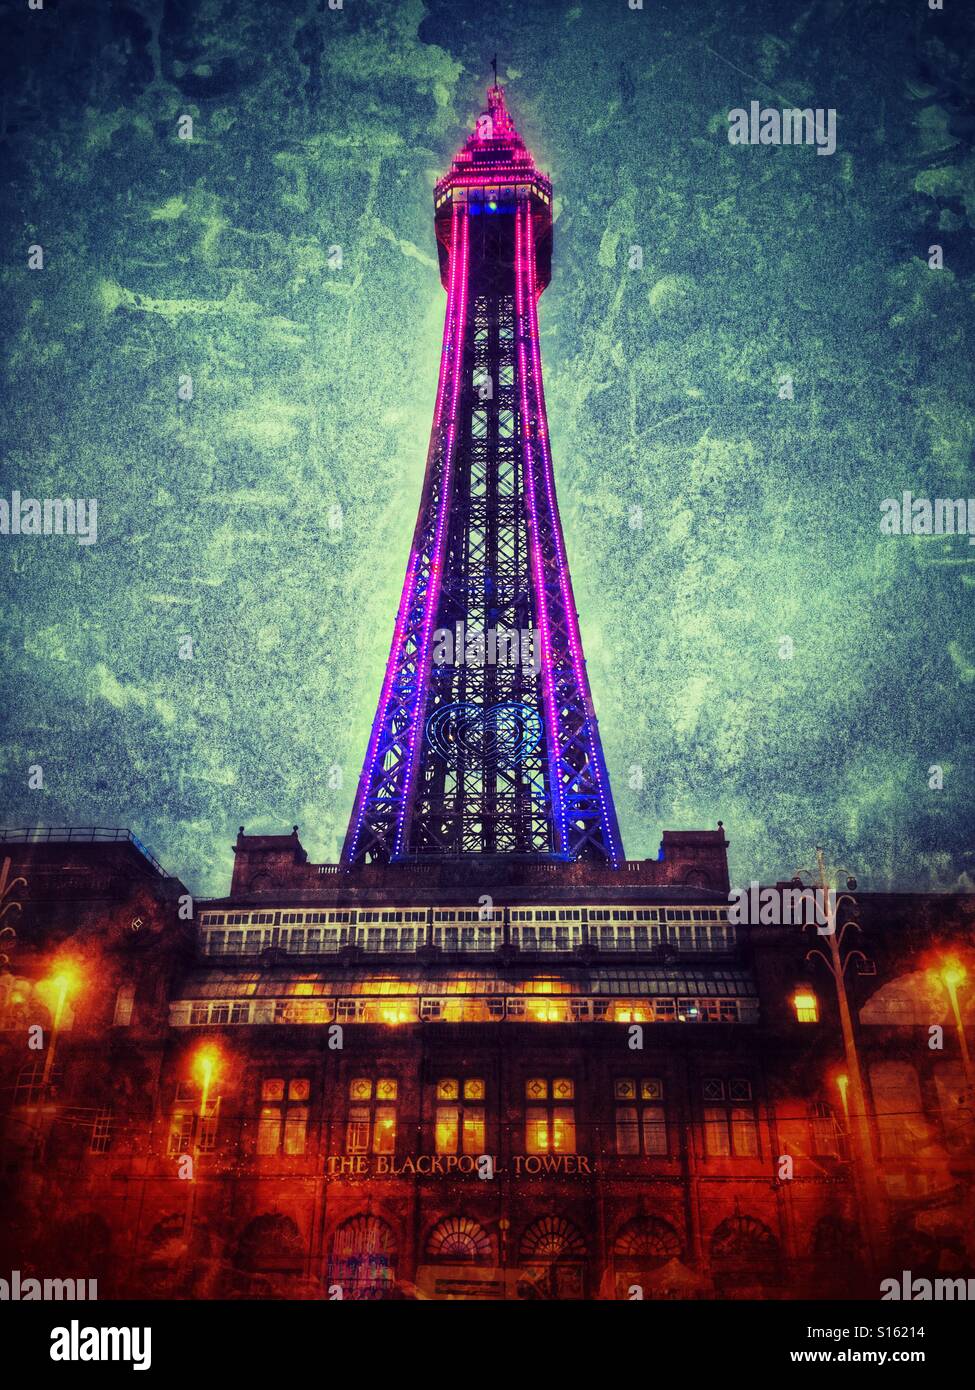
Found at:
[744, 1253]
[697, 878]
[15, 996]
[835, 1240]
[553, 1256]
[363, 1258]
[165, 1253]
[647, 1241]
[270, 1244]
[552, 1238]
[165, 1243]
[917, 999]
[459, 1238]
[83, 1242]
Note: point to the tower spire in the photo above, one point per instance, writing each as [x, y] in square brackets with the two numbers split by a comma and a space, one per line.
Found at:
[485, 739]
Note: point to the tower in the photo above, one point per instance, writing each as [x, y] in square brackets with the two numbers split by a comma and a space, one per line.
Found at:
[485, 740]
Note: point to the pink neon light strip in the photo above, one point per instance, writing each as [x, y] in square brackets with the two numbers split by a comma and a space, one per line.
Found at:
[565, 582]
[440, 542]
[409, 585]
[552, 732]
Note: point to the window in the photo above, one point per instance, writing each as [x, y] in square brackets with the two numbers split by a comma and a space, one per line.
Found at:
[124, 1001]
[101, 1134]
[641, 1123]
[730, 1128]
[550, 1117]
[806, 1006]
[284, 1115]
[823, 1133]
[460, 1116]
[180, 1131]
[30, 1083]
[187, 1122]
[897, 1101]
[949, 1080]
[371, 1126]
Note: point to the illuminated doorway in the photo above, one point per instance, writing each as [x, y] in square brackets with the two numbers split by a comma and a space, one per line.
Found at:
[553, 1260]
[363, 1259]
[643, 1247]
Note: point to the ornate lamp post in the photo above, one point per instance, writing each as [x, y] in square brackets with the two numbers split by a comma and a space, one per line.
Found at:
[66, 981]
[205, 1067]
[872, 1204]
[952, 974]
[63, 982]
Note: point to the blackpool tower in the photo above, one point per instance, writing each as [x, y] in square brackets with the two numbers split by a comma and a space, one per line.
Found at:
[485, 740]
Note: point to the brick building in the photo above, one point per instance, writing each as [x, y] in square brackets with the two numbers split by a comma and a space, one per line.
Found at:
[558, 1083]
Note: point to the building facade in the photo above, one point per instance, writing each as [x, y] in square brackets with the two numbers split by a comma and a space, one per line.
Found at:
[484, 1055]
[383, 1084]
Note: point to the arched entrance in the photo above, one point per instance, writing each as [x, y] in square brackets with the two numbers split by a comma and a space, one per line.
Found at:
[643, 1246]
[363, 1258]
[82, 1247]
[552, 1257]
[270, 1256]
[745, 1258]
[170, 1263]
[460, 1261]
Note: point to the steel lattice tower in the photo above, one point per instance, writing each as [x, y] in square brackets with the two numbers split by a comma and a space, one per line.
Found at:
[485, 755]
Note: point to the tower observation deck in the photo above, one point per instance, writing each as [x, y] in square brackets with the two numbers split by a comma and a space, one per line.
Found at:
[485, 740]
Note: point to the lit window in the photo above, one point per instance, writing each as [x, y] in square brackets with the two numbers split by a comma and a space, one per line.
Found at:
[101, 1134]
[283, 1120]
[551, 1127]
[371, 1123]
[180, 1131]
[640, 1128]
[187, 1123]
[730, 1127]
[124, 1001]
[460, 1123]
[823, 1132]
[357, 1130]
[806, 1006]
[30, 1083]
[384, 1130]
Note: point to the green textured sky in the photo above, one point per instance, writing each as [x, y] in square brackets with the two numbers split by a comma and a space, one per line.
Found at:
[268, 519]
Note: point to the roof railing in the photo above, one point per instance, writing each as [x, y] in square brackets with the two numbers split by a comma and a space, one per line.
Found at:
[78, 834]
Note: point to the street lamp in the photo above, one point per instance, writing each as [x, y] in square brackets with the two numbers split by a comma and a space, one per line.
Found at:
[854, 1091]
[952, 974]
[204, 1070]
[65, 982]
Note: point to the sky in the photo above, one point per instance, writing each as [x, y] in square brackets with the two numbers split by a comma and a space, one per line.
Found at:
[232, 344]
